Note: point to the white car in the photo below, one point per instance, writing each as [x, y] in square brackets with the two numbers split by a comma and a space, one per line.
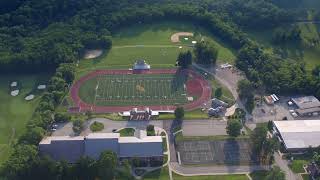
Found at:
[55, 125]
[291, 111]
[53, 129]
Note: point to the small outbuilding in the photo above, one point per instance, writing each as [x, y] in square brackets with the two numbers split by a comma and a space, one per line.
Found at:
[29, 97]
[15, 92]
[141, 65]
[307, 105]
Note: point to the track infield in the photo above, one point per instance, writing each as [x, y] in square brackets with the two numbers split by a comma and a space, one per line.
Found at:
[105, 91]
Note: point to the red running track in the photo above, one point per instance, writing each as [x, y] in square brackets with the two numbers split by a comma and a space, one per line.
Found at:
[84, 107]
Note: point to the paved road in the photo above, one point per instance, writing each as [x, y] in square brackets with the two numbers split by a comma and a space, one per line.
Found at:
[214, 170]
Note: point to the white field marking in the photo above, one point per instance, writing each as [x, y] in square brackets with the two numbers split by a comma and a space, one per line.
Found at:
[96, 89]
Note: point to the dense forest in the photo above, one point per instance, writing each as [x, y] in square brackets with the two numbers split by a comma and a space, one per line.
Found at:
[42, 35]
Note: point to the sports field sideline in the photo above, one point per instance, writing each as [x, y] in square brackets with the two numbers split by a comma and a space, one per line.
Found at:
[135, 89]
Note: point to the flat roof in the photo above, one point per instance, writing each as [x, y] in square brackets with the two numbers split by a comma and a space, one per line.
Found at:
[103, 135]
[309, 110]
[299, 133]
[147, 139]
[47, 140]
[306, 102]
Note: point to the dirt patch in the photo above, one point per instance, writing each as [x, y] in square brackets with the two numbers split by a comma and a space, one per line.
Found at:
[176, 36]
[91, 54]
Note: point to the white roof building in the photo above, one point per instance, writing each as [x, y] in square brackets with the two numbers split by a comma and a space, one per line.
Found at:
[299, 135]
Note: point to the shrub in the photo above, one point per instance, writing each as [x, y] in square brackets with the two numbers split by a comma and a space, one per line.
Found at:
[96, 126]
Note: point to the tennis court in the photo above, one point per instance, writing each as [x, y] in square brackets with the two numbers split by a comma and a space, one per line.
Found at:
[233, 152]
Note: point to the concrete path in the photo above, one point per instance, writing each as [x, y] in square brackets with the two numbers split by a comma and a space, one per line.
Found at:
[283, 164]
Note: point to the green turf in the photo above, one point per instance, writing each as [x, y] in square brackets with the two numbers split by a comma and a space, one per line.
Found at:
[258, 175]
[127, 132]
[189, 115]
[160, 174]
[216, 177]
[297, 166]
[135, 89]
[15, 111]
[152, 43]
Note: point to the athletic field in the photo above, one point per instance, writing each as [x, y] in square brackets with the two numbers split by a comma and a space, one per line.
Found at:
[104, 91]
[135, 89]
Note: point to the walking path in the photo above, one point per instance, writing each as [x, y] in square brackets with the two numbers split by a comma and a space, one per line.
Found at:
[283, 164]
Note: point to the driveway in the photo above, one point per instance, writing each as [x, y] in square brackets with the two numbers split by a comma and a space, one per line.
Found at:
[65, 129]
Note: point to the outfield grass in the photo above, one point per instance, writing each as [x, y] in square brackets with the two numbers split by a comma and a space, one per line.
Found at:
[152, 43]
[216, 177]
[15, 111]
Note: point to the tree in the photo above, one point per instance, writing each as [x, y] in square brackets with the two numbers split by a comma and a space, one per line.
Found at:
[258, 138]
[275, 174]
[106, 165]
[218, 92]
[77, 126]
[184, 59]
[150, 130]
[250, 103]
[206, 52]
[32, 136]
[245, 89]
[85, 168]
[234, 127]
[316, 71]
[62, 117]
[21, 161]
[179, 113]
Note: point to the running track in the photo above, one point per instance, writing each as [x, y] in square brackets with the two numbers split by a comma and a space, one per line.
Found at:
[84, 107]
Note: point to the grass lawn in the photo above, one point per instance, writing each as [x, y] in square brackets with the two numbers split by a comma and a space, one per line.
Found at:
[127, 132]
[297, 166]
[161, 174]
[226, 94]
[258, 175]
[305, 177]
[15, 111]
[194, 114]
[164, 144]
[216, 177]
[152, 43]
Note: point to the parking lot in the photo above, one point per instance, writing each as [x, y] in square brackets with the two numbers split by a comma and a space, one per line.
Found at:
[233, 152]
[278, 111]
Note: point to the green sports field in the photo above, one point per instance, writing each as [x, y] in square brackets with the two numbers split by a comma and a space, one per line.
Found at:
[152, 43]
[135, 89]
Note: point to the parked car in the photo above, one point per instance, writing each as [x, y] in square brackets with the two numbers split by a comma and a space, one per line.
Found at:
[114, 130]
